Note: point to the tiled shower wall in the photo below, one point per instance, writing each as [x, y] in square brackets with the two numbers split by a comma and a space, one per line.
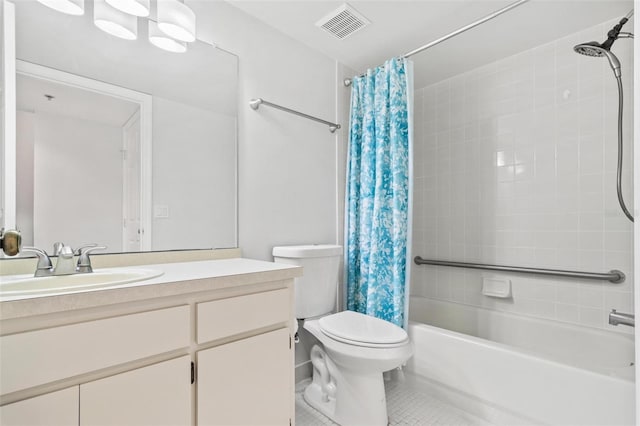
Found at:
[515, 164]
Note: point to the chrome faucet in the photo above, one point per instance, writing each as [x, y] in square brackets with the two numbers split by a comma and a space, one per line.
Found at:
[65, 264]
[616, 318]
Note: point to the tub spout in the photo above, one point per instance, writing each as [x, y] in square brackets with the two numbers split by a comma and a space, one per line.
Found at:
[616, 318]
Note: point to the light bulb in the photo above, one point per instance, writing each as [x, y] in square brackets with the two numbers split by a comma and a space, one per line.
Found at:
[176, 20]
[70, 7]
[132, 7]
[164, 42]
[114, 22]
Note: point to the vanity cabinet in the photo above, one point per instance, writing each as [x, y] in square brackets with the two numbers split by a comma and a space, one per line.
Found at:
[240, 383]
[252, 369]
[56, 408]
[206, 355]
[156, 395]
[37, 357]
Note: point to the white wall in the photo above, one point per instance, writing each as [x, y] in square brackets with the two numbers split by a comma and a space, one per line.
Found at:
[636, 188]
[515, 165]
[2, 112]
[72, 202]
[344, 111]
[287, 165]
[193, 149]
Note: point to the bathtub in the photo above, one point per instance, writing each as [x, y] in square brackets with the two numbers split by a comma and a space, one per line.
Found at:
[512, 369]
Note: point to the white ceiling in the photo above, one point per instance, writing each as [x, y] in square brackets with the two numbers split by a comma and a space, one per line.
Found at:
[71, 102]
[398, 27]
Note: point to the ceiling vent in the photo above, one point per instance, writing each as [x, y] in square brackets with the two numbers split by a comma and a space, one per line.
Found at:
[343, 22]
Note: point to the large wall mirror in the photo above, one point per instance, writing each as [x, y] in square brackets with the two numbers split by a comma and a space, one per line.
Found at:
[121, 143]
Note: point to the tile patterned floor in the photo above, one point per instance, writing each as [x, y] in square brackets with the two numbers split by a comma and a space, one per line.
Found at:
[407, 405]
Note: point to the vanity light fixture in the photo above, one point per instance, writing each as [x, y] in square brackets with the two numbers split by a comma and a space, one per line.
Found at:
[163, 41]
[114, 22]
[175, 27]
[132, 7]
[70, 7]
[177, 20]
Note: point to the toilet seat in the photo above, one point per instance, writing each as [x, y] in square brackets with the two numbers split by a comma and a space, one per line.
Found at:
[362, 330]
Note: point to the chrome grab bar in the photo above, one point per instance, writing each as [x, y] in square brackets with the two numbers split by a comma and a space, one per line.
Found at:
[614, 276]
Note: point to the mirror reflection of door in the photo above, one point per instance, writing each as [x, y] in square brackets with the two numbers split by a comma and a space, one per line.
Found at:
[78, 157]
[131, 229]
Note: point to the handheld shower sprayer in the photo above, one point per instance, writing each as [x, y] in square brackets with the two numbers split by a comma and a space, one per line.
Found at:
[595, 49]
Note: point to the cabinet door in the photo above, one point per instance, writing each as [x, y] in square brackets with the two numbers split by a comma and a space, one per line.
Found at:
[55, 408]
[247, 382]
[156, 395]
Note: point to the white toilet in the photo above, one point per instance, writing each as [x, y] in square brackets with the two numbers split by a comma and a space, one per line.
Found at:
[356, 349]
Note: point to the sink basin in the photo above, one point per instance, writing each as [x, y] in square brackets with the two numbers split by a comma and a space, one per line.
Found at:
[16, 285]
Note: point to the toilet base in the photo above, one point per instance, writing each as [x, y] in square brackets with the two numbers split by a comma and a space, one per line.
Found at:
[313, 395]
[358, 399]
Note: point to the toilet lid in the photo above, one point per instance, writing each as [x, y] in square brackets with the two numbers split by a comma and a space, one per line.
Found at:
[360, 329]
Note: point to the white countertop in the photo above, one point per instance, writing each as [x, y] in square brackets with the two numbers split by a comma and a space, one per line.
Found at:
[177, 278]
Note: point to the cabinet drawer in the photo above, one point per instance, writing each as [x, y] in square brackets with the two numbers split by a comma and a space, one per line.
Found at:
[221, 318]
[37, 357]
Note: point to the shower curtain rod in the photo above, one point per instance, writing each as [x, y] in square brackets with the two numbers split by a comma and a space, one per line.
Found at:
[347, 81]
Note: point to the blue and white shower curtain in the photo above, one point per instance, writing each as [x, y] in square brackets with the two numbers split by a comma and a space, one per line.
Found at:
[379, 192]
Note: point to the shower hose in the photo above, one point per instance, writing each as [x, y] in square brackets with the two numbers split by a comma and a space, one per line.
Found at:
[619, 172]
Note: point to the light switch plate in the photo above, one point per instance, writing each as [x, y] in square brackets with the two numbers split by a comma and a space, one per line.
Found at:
[160, 211]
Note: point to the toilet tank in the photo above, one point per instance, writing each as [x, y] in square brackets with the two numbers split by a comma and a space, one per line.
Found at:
[316, 290]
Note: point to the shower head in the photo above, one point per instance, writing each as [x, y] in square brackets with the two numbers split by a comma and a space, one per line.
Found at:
[596, 49]
[592, 48]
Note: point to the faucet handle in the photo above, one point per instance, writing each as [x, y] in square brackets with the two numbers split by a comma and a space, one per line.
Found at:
[82, 248]
[84, 262]
[44, 266]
